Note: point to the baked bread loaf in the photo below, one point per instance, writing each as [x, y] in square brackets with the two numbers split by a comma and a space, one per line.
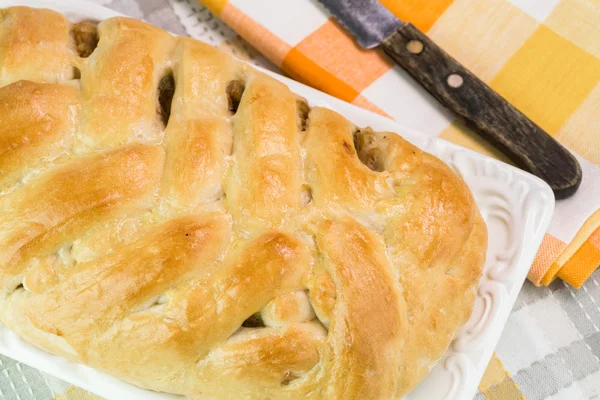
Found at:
[182, 221]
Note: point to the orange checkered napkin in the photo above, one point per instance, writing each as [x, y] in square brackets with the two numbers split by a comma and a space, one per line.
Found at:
[543, 56]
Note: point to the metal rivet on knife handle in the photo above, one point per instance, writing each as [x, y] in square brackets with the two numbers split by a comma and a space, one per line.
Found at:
[414, 46]
[455, 80]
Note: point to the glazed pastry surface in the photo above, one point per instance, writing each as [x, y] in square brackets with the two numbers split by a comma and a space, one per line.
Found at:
[184, 222]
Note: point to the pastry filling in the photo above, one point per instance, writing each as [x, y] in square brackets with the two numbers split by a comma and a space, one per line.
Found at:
[235, 90]
[302, 110]
[254, 321]
[305, 195]
[166, 91]
[85, 35]
[367, 150]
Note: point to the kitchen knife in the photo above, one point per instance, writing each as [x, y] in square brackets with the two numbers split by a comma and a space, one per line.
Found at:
[491, 116]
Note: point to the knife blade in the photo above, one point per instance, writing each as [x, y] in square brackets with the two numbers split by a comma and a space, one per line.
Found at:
[459, 90]
[369, 28]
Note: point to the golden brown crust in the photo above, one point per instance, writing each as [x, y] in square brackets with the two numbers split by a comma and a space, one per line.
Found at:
[184, 222]
[34, 46]
[43, 120]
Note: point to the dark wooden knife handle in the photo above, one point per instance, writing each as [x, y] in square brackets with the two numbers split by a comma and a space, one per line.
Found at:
[491, 116]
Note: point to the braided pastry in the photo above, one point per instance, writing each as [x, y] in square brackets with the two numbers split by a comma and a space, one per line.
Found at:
[184, 222]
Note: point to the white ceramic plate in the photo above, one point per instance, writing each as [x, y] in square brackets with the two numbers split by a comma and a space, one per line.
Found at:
[516, 206]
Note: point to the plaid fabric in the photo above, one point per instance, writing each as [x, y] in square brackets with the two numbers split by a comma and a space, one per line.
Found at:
[550, 347]
[543, 56]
